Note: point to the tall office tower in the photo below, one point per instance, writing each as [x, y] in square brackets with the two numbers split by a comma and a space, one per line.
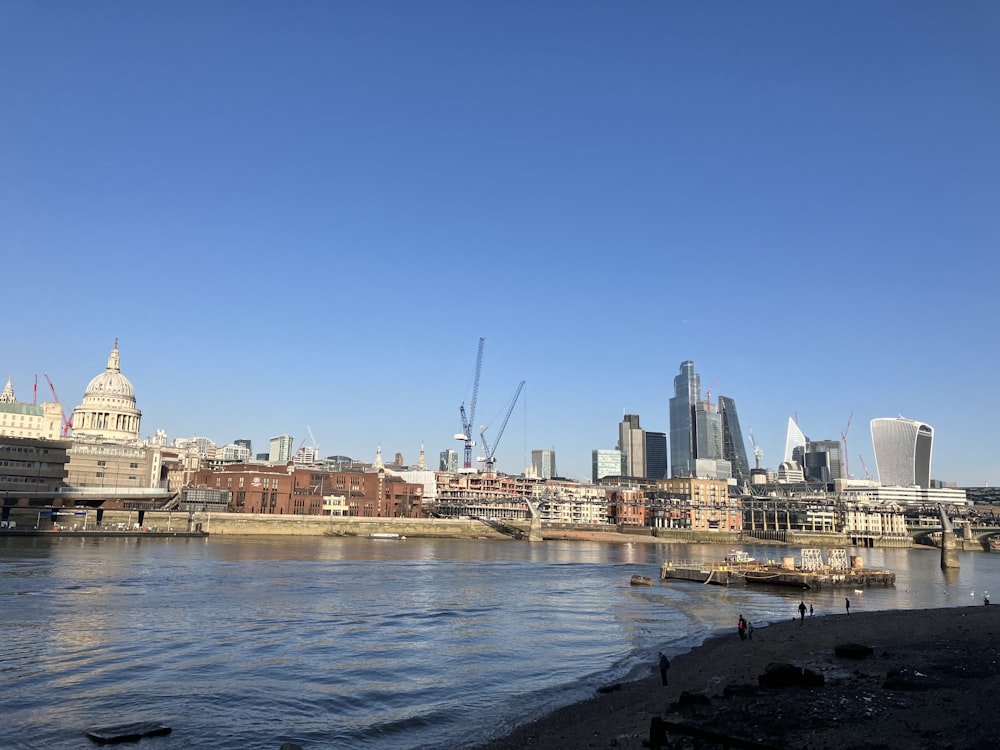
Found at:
[656, 455]
[687, 390]
[822, 461]
[281, 447]
[608, 464]
[794, 439]
[902, 451]
[543, 463]
[246, 444]
[449, 461]
[734, 449]
[709, 458]
[632, 442]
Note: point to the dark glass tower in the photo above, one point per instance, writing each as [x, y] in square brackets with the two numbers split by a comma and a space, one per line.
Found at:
[733, 448]
[656, 455]
[687, 389]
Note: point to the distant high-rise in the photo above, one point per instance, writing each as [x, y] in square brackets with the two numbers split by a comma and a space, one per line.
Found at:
[543, 463]
[793, 439]
[656, 455]
[902, 451]
[281, 449]
[449, 461]
[632, 442]
[822, 461]
[607, 463]
[734, 449]
[687, 390]
[699, 444]
[246, 444]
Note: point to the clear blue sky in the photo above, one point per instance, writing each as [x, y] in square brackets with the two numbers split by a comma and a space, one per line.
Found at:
[306, 214]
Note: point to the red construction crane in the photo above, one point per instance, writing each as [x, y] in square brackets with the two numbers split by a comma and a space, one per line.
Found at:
[708, 393]
[865, 467]
[843, 436]
[67, 422]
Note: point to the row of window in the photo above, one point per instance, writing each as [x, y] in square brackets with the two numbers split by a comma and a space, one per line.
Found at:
[8, 448]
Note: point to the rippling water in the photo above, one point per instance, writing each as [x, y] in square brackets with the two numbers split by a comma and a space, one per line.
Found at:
[357, 643]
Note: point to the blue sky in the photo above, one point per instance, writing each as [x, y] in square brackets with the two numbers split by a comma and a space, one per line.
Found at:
[304, 215]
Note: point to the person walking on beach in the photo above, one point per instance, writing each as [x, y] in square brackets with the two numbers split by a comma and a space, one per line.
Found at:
[664, 666]
[741, 628]
[847, 605]
[749, 630]
[802, 612]
[810, 610]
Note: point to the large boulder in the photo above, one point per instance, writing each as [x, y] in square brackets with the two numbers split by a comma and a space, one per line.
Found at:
[780, 675]
[853, 651]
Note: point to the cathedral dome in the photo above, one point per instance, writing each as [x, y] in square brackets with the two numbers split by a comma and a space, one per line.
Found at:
[111, 383]
[108, 412]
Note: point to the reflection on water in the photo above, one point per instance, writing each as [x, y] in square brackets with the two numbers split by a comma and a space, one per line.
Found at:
[361, 643]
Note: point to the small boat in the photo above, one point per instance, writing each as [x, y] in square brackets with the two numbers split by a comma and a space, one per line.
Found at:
[739, 556]
[385, 535]
[641, 581]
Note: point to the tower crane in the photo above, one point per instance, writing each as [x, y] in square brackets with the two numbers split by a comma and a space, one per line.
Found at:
[67, 423]
[843, 436]
[758, 454]
[488, 452]
[468, 420]
[865, 467]
[708, 393]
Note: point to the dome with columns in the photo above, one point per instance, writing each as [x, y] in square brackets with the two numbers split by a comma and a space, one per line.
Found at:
[108, 410]
[111, 382]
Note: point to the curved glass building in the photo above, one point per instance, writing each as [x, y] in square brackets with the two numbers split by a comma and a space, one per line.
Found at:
[902, 451]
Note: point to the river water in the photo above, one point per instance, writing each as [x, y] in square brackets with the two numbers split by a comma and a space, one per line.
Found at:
[360, 643]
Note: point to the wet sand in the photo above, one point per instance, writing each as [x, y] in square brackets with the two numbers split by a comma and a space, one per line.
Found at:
[932, 681]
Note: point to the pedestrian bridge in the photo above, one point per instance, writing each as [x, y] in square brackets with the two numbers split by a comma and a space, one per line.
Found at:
[931, 534]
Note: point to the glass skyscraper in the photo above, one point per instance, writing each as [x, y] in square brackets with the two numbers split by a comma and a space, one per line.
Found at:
[733, 448]
[687, 390]
[902, 452]
[656, 455]
[543, 463]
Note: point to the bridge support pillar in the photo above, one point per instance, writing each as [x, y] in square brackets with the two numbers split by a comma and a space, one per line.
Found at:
[535, 529]
[949, 551]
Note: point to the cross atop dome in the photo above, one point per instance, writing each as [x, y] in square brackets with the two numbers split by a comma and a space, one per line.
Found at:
[114, 361]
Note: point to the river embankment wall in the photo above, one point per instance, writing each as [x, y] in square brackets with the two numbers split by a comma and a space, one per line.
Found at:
[252, 524]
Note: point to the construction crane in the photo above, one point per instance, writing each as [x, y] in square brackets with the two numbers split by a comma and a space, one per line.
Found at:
[468, 420]
[67, 422]
[758, 454]
[843, 436]
[315, 444]
[489, 453]
[708, 393]
[865, 467]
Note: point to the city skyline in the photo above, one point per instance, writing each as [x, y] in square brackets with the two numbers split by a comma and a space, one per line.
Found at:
[305, 218]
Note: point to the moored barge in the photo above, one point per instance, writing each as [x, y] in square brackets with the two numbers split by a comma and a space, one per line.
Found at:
[809, 572]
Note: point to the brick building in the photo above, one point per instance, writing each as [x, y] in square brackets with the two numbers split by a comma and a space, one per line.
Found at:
[291, 490]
